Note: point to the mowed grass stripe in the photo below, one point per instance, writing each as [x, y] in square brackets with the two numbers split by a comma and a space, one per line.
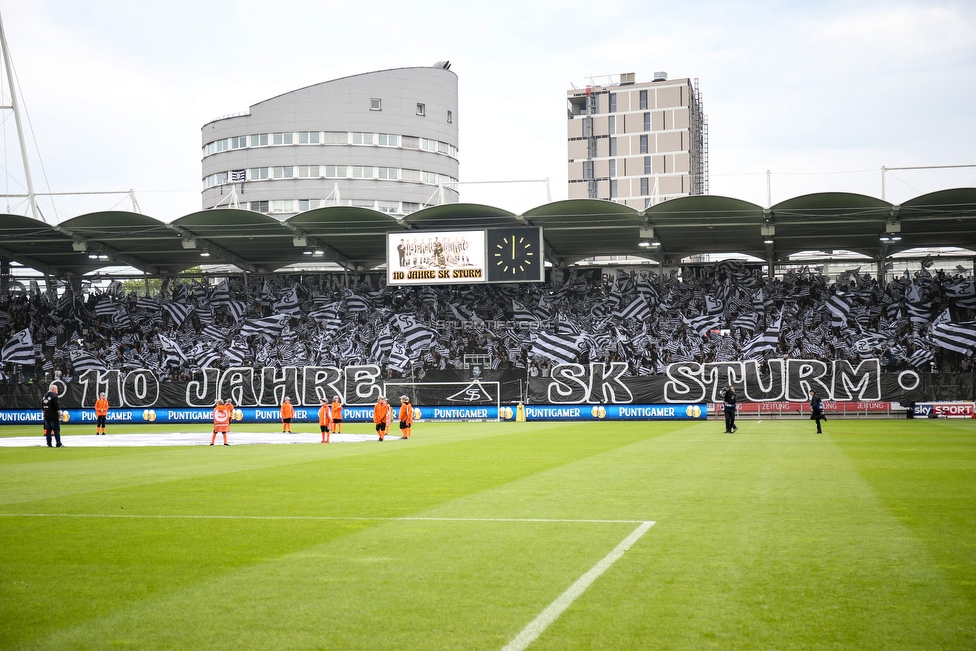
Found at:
[400, 585]
[385, 483]
[307, 517]
[769, 538]
[59, 474]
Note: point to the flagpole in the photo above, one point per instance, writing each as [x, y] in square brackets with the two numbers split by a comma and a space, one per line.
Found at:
[15, 105]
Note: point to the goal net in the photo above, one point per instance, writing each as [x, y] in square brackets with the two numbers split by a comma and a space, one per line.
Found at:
[475, 393]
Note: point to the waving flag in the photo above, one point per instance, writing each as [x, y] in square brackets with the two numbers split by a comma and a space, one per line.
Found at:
[19, 349]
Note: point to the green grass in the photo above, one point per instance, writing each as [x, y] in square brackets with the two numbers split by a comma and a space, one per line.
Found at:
[774, 538]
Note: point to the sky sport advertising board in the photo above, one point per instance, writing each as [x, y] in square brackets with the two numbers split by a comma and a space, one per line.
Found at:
[435, 257]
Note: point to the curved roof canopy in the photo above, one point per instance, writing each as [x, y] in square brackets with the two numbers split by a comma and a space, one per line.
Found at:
[355, 238]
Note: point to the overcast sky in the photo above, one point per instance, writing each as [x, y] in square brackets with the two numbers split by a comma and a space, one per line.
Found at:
[823, 94]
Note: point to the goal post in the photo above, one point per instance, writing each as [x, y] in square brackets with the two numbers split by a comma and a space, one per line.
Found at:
[474, 393]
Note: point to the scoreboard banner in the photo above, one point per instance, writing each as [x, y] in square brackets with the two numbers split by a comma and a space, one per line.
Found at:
[494, 255]
[435, 257]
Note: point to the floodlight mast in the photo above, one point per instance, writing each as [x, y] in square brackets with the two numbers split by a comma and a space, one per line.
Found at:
[15, 106]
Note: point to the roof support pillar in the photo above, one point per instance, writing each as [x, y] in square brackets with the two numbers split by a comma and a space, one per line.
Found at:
[4, 275]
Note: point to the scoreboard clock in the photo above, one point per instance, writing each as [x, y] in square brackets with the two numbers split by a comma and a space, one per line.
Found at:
[514, 255]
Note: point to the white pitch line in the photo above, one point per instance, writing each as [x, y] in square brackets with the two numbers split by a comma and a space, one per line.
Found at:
[535, 628]
[309, 517]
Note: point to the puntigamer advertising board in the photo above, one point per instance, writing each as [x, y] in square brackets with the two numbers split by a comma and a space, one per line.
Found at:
[463, 257]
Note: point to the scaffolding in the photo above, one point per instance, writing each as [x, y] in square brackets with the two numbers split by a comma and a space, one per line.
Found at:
[699, 144]
[589, 133]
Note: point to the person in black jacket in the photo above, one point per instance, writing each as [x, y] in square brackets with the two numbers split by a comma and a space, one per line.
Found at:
[729, 407]
[816, 410]
[51, 408]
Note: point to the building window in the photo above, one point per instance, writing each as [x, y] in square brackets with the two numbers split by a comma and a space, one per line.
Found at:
[387, 139]
[612, 124]
[284, 139]
[286, 205]
[613, 146]
[645, 185]
[421, 109]
[285, 172]
[643, 100]
[390, 173]
[587, 170]
[308, 137]
[259, 174]
[362, 138]
[391, 207]
[335, 171]
[360, 172]
[613, 189]
[428, 145]
[375, 104]
[647, 122]
[643, 144]
[613, 168]
[613, 102]
[240, 142]
[308, 171]
[259, 206]
[259, 140]
[450, 117]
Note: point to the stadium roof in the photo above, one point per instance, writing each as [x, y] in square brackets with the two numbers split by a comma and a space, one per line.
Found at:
[577, 229]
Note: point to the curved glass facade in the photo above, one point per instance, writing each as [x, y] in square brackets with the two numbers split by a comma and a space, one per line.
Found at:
[384, 140]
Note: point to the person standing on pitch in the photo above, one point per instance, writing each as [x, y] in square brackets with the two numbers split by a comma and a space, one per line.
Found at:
[51, 408]
[816, 410]
[325, 420]
[729, 407]
[287, 413]
[101, 412]
[336, 415]
[406, 416]
[381, 416]
[221, 416]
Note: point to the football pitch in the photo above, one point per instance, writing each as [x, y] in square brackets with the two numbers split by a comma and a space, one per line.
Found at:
[607, 535]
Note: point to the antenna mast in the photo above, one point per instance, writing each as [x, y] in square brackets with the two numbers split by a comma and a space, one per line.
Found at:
[15, 106]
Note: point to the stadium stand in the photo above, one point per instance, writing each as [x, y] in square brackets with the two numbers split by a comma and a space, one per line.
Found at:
[723, 312]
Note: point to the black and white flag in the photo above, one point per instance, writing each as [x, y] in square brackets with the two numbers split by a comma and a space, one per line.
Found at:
[19, 349]
[177, 312]
[960, 337]
[269, 327]
[768, 340]
[561, 349]
[840, 308]
[83, 361]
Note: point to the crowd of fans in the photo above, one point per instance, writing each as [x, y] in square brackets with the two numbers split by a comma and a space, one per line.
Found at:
[647, 321]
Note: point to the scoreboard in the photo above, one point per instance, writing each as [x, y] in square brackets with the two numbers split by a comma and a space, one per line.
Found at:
[492, 255]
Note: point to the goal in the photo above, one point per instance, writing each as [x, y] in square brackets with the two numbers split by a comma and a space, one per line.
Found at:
[475, 393]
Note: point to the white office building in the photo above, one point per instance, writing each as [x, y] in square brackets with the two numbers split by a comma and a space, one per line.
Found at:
[386, 140]
[637, 143]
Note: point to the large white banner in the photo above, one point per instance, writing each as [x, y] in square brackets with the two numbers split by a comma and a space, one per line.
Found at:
[435, 257]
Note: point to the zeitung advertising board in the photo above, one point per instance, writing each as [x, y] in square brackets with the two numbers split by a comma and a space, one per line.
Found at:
[435, 257]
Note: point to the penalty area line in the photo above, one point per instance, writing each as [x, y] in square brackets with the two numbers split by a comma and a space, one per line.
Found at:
[535, 628]
[309, 517]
